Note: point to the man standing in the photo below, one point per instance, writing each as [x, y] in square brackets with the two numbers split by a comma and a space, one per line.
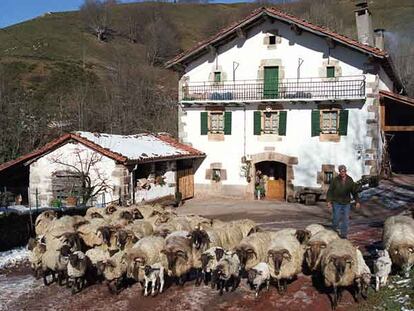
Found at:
[339, 197]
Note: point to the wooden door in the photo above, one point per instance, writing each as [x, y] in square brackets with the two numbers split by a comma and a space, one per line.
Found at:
[186, 183]
[276, 189]
[271, 82]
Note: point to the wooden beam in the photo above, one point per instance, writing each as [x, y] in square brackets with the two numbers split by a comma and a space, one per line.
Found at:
[399, 128]
[331, 42]
[296, 29]
[382, 115]
[241, 33]
[211, 49]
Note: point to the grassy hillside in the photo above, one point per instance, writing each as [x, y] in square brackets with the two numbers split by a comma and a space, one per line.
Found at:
[56, 76]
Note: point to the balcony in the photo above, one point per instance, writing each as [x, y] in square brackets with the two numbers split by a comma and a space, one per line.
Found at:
[303, 89]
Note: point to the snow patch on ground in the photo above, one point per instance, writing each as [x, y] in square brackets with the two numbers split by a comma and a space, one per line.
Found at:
[13, 287]
[13, 257]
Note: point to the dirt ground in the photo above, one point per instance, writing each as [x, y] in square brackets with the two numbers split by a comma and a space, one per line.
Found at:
[302, 294]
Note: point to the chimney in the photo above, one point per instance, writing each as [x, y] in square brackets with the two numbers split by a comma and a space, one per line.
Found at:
[364, 23]
[379, 38]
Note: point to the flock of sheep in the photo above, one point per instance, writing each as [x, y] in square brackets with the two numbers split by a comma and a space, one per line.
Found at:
[150, 245]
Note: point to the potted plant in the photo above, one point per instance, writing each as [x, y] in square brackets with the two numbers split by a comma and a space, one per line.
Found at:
[72, 200]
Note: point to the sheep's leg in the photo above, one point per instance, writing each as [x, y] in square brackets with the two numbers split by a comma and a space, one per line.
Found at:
[377, 283]
[221, 287]
[335, 298]
[384, 280]
[205, 278]
[181, 280]
[267, 284]
[198, 277]
[45, 275]
[284, 285]
[146, 288]
[153, 286]
[161, 285]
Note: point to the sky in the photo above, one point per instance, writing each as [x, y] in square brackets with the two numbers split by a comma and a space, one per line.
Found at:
[16, 11]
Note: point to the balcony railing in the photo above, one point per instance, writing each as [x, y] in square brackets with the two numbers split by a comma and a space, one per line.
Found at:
[309, 89]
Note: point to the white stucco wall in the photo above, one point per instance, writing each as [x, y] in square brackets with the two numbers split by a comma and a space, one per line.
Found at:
[157, 191]
[42, 169]
[311, 153]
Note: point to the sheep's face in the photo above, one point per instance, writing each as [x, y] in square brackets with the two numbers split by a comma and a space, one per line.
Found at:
[245, 254]
[127, 216]
[303, 236]
[136, 214]
[313, 251]
[121, 238]
[341, 264]
[251, 276]
[382, 264]
[147, 270]
[65, 251]
[74, 260]
[31, 244]
[403, 256]
[199, 238]
[105, 234]
[174, 257]
[278, 257]
[73, 240]
[110, 209]
[96, 215]
[205, 260]
[223, 270]
[382, 253]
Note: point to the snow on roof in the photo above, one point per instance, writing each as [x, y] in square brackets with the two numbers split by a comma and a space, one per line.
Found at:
[135, 147]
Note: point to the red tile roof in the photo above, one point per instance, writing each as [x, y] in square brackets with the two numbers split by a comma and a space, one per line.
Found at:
[285, 17]
[397, 97]
[190, 152]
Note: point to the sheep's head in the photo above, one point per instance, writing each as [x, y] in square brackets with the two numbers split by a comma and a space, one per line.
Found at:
[245, 254]
[205, 260]
[173, 256]
[65, 251]
[105, 233]
[254, 230]
[110, 209]
[74, 260]
[340, 263]
[96, 215]
[251, 276]
[303, 235]
[162, 217]
[199, 238]
[402, 255]
[312, 253]
[278, 256]
[136, 214]
[73, 240]
[382, 253]
[126, 215]
[31, 244]
[222, 269]
[219, 252]
[123, 237]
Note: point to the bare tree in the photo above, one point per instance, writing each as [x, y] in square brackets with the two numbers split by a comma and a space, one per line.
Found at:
[96, 15]
[84, 165]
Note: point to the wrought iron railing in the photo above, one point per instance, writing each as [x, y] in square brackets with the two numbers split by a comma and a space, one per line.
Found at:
[351, 87]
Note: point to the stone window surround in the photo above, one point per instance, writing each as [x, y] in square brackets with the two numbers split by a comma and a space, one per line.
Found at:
[330, 63]
[273, 62]
[217, 68]
[214, 136]
[329, 137]
[320, 176]
[266, 39]
[216, 166]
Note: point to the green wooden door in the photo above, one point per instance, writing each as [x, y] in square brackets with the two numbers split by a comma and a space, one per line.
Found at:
[271, 82]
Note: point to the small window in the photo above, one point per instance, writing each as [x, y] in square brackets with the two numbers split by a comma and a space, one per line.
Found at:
[327, 178]
[216, 122]
[217, 76]
[329, 122]
[272, 40]
[270, 122]
[330, 72]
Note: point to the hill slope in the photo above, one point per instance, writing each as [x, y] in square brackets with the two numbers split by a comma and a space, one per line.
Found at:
[56, 76]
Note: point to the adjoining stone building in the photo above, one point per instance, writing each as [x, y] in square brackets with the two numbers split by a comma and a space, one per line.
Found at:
[134, 168]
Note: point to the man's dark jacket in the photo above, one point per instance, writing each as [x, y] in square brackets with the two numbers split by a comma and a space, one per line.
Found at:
[340, 192]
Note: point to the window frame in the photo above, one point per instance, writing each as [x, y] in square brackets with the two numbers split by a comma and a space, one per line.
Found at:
[330, 69]
[272, 38]
[329, 131]
[272, 131]
[219, 75]
[210, 122]
[327, 180]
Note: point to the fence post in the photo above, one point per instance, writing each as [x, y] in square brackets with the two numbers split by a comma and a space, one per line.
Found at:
[37, 199]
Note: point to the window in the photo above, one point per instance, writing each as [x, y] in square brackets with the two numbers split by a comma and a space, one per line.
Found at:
[216, 174]
[217, 76]
[272, 40]
[330, 72]
[216, 122]
[328, 176]
[271, 122]
[329, 122]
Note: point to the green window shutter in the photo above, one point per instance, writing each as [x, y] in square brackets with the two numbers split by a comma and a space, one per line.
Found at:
[330, 72]
[316, 123]
[343, 122]
[217, 76]
[227, 123]
[257, 120]
[282, 123]
[204, 123]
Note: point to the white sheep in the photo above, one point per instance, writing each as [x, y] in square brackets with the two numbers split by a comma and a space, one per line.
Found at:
[209, 260]
[285, 257]
[314, 228]
[339, 265]
[55, 261]
[44, 221]
[398, 240]
[363, 275]
[154, 274]
[316, 247]
[259, 275]
[227, 272]
[382, 268]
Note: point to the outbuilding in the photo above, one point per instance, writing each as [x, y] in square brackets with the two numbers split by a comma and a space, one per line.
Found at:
[96, 169]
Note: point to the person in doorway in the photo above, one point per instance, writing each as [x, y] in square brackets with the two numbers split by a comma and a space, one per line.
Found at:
[339, 199]
[259, 185]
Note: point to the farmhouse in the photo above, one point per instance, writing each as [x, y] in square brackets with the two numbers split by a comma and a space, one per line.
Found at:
[275, 93]
[92, 168]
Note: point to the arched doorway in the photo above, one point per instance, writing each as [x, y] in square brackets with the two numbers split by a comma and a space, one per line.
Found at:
[283, 168]
[274, 176]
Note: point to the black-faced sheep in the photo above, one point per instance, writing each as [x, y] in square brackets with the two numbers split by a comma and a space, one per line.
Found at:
[227, 273]
[316, 246]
